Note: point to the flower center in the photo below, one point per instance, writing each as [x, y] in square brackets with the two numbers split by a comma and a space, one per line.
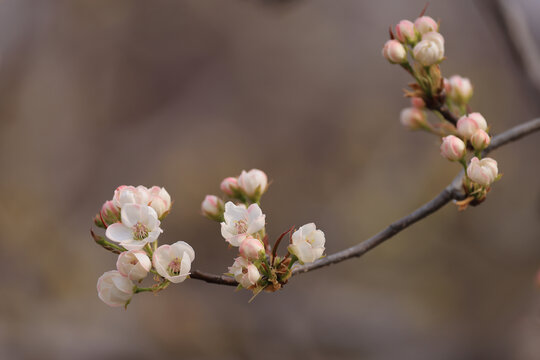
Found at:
[174, 267]
[140, 231]
[240, 226]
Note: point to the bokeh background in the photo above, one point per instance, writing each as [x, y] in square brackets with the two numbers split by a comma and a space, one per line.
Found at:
[181, 94]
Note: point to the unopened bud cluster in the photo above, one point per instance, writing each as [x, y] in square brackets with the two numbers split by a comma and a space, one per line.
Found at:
[419, 48]
[132, 220]
[243, 225]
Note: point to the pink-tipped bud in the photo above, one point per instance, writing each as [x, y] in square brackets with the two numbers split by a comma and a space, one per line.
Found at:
[418, 102]
[394, 52]
[413, 118]
[459, 90]
[480, 139]
[467, 125]
[212, 207]
[110, 214]
[229, 186]
[480, 120]
[425, 24]
[98, 222]
[251, 248]
[406, 33]
[453, 148]
[483, 172]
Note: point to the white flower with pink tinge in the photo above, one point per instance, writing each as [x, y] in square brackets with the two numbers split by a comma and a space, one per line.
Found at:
[134, 264]
[139, 226]
[173, 262]
[483, 172]
[159, 200]
[244, 272]
[241, 222]
[114, 289]
[307, 243]
[127, 194]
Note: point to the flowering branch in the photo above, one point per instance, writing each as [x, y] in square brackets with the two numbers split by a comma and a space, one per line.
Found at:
[451, 192]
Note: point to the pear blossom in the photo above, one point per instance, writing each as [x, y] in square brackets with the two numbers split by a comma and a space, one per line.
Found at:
[212, 207]
[405, 32]
[241, 222]
[114, 289]
[413, 118]
[435, 37]
[253, 183]
[307, 243]
[251, 248]
[425, 24]
[160, 200]
[480, 120]
[394, 52]
[109, 213]
[229, 186]
[139, 226]
[244, 272]
[134, 264]
[125, 194]
[453, 148]
[173, 262]
[483, 172]
[468, 124]
[428, 52]
[480, 139]
[459, 90]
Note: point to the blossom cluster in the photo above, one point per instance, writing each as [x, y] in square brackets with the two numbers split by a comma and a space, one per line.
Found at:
[418, 47]
[132, 221]
[243, 225]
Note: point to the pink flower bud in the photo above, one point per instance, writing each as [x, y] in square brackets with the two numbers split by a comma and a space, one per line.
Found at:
[480, 120]
[453, 148]
[425, 24]
[394, 52]
[480, 139]
[405, 32]
[467, 125]
[418, 102]
[483, 172]
[109, 214]
[460, 89]
[212, 207]
[251, 248]
[98, 222]
[412, 118]
[229, 186]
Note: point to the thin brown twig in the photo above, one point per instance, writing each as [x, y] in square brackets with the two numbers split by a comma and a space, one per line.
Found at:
[451, 192]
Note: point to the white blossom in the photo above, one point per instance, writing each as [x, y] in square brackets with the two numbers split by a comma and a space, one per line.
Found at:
[241, 222]
[307, 243]
[245, 272]
[114, 289]
[173, 262]
[483, 172]
[253, 183]
[139, 226]
[134, 264]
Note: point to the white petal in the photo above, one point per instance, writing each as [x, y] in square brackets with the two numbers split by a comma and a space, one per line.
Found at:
[181, 248]
[256, 225]
[131, 214]
[118, 232]
[308, 228]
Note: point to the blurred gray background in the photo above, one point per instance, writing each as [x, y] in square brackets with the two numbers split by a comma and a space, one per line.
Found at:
[95, 94]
